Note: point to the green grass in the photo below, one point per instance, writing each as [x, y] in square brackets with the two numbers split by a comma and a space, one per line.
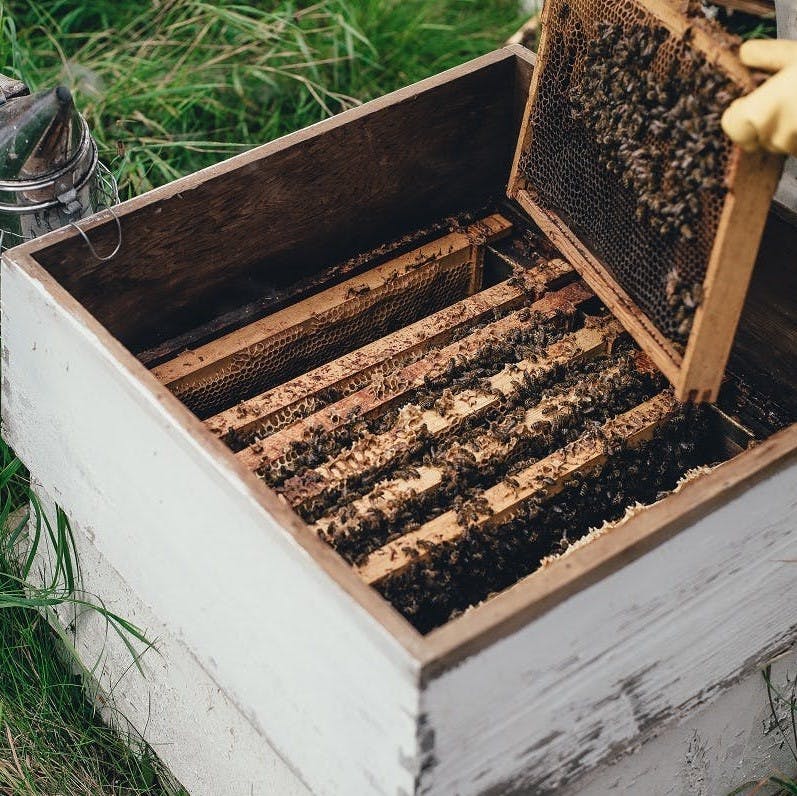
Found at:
[173, 86]
[51, 741]
[169, 87]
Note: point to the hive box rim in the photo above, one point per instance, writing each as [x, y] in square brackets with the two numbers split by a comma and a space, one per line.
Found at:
[503, 614]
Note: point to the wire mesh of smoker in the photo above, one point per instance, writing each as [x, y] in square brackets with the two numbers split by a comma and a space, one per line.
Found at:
[400, 300]
[625, 145]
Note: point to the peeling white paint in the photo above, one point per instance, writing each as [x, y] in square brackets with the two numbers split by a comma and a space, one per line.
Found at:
[622, 659]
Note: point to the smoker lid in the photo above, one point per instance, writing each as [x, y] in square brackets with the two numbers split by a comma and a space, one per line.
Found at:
[40, 134]
[622, 162]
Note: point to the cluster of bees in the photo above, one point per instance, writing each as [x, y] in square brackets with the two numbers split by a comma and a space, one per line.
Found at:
[462, 573]
[656, 125]
[523, 342]
[657, 129]
[627, 148]
[588, 397]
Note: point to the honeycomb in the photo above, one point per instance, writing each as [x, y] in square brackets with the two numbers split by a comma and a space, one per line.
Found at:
[362, 318]
[627, 149]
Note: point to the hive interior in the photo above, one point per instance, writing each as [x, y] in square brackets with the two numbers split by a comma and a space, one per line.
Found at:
[448, 445]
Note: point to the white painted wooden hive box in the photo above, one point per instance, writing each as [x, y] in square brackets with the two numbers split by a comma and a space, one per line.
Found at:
[384, 232]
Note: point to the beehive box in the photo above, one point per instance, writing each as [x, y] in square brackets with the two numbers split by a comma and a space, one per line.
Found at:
[285, 672]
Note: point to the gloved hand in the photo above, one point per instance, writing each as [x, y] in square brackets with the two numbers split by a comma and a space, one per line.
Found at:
[767, 117]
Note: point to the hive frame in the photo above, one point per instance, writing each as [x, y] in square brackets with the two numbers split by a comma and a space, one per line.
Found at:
[430, 477]
[697, 373]
[346, 374]
[251, 355]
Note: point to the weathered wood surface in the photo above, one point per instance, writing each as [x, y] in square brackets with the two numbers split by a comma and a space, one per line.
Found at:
[208, 741]
[719, 744]
[713, 750]
[288, 402]
[272, 210]
[704, 596]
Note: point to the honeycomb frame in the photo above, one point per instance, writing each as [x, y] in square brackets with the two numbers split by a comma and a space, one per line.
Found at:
[244, 362]
[696, 368]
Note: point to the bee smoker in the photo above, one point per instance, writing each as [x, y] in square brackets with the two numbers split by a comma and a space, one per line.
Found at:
[49, 172]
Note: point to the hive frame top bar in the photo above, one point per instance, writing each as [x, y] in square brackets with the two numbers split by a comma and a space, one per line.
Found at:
[751, 178]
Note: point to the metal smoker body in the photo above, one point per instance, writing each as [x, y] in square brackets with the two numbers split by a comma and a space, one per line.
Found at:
[49, 172]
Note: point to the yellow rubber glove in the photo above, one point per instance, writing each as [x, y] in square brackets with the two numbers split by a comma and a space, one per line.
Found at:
[767, 117]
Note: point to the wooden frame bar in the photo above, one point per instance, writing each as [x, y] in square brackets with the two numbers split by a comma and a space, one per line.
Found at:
[730, 270]
[378, 452]
[544, 479]
[753, 177]
[286, 340]
[273, 409]
[368, 402]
